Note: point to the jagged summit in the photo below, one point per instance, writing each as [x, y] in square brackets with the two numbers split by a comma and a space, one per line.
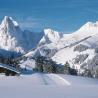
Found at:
[9, 26]
[8, 21]
[50, 36]
[12, 38]
[51, 33]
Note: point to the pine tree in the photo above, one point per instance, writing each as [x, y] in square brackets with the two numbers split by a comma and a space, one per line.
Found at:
[40, 63]
[87, 72]
[96, 73]
[66, 68]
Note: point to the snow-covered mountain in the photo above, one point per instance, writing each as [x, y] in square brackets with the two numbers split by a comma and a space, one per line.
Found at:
[82, 48]
[79, 48]
[13, 39]
[47, 45]
[50, 36]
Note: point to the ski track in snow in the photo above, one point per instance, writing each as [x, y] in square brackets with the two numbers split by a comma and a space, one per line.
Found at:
[53, 79]
[60, 80]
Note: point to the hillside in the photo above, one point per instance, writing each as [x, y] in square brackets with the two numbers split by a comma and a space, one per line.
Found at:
[79, 48]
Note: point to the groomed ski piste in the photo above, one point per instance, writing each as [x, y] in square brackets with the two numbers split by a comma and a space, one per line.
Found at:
[41, 85]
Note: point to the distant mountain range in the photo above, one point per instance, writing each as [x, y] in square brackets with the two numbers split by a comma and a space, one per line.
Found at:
[79, 48]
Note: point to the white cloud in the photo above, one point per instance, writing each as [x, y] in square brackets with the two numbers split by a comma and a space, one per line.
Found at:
[28, 22]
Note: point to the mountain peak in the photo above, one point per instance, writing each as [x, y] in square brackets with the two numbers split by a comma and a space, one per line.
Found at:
[50, 36]
[89, 25]
[6, 18]
[7, 21]
[14, 39]
[88, 29]
[50, 32]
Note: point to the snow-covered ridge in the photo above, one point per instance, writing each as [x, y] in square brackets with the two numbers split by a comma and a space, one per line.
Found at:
[89, 28]
[85, 40]
[78, 48]
[50, 43]
[90, 25]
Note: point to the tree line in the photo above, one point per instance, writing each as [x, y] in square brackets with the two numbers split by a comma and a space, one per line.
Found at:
[49, 66]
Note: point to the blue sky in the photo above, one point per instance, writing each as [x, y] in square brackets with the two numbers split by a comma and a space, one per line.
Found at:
[61, 15]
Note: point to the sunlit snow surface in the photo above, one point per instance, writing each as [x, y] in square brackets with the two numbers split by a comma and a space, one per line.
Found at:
[48, 86]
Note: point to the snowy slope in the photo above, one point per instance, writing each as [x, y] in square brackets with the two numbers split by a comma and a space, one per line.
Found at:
[74, 51]
[28, 64]
[48, 86]
[47, 44]
[78, 48]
